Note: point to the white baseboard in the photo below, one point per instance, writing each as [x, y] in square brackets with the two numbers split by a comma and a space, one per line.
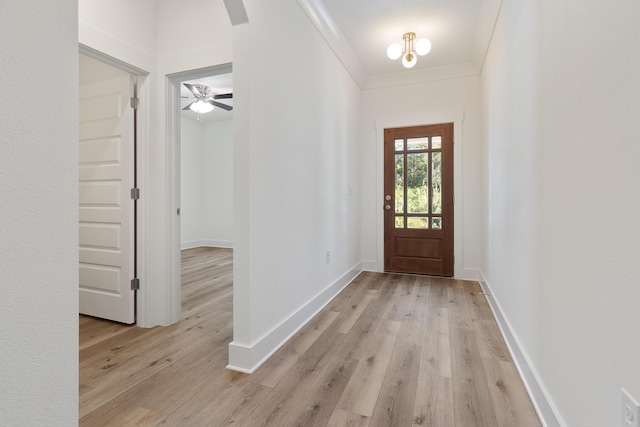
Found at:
[544, 406]
[190, 244]
[218, 243]
[247, 359]
[206, 243]
[372, 266]
[470, 274]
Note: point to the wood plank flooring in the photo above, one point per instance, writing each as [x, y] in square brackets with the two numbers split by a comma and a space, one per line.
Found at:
[390, 350]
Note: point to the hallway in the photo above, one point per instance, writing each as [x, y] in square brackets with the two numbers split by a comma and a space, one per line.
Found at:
[390, 350]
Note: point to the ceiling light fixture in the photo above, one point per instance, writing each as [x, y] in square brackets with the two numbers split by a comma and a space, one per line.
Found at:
[201, 106]
[409, 51]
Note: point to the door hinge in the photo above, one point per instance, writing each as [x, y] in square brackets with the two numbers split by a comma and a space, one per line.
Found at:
[135, 103]
[135, 194]
[135, 284]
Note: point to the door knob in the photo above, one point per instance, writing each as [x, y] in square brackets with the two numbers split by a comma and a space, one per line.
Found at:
[387, 197]
[388, 207]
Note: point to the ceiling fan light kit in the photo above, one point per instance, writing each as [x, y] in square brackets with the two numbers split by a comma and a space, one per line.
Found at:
[201, 107]
[410, 49]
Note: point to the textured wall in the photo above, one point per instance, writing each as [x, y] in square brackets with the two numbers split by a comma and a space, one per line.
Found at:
[191, 200]
[206, 203]
[292, 202]
[38, 213]
[561, 96]
[217, 185]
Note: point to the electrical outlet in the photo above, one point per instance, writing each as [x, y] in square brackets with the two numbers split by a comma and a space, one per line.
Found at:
[328, 256]
[630, 410]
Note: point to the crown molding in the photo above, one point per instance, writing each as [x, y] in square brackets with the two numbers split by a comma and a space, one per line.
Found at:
[484, 32]
[326, 26]
[420, 76]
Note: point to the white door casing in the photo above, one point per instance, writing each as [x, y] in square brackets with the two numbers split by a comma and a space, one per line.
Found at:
[106, 209]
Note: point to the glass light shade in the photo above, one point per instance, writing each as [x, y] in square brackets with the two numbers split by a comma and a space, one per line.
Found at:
[423, 47]
[394, 51]
[409, 60]
[201, 107]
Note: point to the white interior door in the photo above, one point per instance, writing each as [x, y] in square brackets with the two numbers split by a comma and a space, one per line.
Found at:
[106, 209]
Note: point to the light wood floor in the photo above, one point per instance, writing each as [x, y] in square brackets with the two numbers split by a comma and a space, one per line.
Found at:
[390, 350]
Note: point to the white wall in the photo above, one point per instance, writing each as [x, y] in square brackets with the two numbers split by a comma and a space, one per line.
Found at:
[452, 100]
[192, 34]
[297, 129]
[206, 184]
[560, 94]
[39, 214]
[191, 164]
[120, 28]
[217, 185]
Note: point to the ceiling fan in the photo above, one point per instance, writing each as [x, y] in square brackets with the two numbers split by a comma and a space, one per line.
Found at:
[205, 99]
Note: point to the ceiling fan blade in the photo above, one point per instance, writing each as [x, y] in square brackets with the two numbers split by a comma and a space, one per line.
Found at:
[223, 106]
[223, 96]
[194, 90]
[187, 107]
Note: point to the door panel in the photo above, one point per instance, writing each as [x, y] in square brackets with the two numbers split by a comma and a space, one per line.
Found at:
[418, 184]
[106, 209]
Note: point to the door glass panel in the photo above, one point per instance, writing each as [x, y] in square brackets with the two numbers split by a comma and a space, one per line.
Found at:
[399, 144]
[417, 183]
[436, 183]
[418, 222]
[436, 223]
[436, 142]
[399, 193]
[417, 143]
[399, 222]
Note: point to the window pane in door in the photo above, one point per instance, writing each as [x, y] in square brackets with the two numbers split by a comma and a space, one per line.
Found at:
[418, 222]
[436, 223]
[399, 144]
[436, 142]
[399, 193]
[417, 183]
[436, 183]
[399, 222]
[417, 143]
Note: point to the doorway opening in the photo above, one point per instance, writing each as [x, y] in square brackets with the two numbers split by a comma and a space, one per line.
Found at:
[203, 161]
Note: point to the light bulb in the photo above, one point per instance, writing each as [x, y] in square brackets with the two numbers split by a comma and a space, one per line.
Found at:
[394, 51]
[409, 60]
[423, 47]
[201, 107]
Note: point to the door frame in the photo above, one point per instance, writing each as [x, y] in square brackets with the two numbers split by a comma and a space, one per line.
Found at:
[173, 82]
[392, 234]
[142, 304]
[380, 126]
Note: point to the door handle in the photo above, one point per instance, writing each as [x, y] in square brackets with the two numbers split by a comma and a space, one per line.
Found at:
[388, 207]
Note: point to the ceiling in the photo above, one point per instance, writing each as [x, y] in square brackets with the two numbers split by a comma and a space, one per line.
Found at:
[359, 32]
[369, 26]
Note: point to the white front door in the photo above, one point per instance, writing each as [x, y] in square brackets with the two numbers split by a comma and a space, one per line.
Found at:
[106, 209]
